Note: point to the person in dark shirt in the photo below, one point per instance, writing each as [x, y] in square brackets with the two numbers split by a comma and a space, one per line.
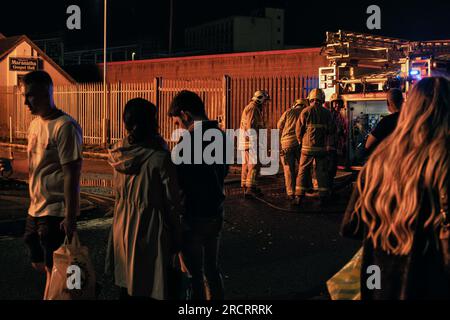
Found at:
[202, 184]
[387, 125]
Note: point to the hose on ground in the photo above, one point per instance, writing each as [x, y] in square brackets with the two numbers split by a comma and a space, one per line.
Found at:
[274, 206]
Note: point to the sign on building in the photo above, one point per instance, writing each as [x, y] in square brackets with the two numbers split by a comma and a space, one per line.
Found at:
[24, 64]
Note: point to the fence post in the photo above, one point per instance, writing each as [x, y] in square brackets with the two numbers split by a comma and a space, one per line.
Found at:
[226, 91]
[14, 111]
[155, 93]
[10, 130]
[11, 103]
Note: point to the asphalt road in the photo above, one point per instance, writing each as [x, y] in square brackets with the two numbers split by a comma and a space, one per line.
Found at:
[265, 254]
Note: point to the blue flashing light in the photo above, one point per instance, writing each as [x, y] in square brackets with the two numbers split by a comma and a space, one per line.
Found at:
[414, 73]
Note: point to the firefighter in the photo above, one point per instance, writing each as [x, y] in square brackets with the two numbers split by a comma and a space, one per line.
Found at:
[251, 122]
[312, 129]
[290, 147]
[336, 141]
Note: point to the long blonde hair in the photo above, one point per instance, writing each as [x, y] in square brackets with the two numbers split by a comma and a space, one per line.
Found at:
[412, 163]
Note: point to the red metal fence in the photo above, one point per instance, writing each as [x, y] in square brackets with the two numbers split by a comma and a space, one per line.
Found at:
[224, 100]
[282, 90]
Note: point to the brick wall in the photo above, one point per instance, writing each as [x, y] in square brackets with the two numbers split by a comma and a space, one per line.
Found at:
[265, 63]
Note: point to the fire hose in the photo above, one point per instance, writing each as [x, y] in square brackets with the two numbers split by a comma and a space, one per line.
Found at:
[296, 210]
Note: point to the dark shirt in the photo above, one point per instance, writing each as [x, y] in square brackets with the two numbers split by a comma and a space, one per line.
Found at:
[203, 184]
[385, 127]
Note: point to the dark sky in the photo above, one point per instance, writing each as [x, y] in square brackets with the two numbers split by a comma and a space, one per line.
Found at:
[306, 21]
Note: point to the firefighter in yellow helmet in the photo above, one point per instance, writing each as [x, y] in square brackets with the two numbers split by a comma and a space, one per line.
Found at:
[290, 147]
[251, 122]
[313, 127]
[336, 141]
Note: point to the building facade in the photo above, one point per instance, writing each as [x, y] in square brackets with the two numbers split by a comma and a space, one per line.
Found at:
[263, 30]
[19, 55]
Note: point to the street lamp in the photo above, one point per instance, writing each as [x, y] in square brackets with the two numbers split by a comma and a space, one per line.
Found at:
[132, 56]
[170, 26]
[105, 109]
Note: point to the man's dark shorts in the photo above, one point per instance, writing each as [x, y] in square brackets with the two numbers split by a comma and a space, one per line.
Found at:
[43, 236]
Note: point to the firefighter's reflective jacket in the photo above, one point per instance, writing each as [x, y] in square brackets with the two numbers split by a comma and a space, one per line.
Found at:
[313, 127]
[252, 118]
[287, 125]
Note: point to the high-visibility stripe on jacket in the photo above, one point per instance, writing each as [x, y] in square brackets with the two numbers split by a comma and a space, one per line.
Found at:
[252, 118]
[312, 129]
[287, 124]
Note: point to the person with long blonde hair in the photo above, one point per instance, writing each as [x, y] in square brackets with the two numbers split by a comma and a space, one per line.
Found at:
[399, 202]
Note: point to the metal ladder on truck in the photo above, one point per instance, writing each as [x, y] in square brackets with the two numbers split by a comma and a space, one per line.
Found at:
[383, 58]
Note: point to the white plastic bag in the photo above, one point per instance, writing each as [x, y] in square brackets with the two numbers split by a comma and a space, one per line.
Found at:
[73, 274]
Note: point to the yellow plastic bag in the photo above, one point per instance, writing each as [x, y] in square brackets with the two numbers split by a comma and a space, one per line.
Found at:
[346, 284]
[73, 275]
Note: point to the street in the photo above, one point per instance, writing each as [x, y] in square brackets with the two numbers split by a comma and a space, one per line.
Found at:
[266, 253]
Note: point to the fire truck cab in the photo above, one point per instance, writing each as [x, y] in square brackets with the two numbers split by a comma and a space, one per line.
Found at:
[363, 67]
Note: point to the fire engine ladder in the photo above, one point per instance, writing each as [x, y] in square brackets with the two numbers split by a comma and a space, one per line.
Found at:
[385, 56]
[345, 46]
[439, 49]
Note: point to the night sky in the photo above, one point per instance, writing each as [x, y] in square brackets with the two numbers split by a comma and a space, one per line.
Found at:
[306, 22]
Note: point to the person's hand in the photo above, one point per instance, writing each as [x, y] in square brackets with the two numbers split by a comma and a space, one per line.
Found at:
[5, 166]
[38, 266]
[183, 266]
[69, 225]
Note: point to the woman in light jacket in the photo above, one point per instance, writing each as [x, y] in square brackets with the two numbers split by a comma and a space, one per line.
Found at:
[146, 227]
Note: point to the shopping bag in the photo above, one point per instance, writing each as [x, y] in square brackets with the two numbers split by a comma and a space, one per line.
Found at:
[73, 275]
[346, 284]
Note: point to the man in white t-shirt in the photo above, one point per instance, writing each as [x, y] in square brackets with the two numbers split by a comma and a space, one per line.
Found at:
[54, 162]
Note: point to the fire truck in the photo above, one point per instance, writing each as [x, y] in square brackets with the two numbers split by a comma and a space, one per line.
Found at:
[363, 67]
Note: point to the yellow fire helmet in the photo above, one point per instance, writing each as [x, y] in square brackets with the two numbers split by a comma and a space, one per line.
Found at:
[335, 97]
[260, 96]
[301, 102]
[317, 94]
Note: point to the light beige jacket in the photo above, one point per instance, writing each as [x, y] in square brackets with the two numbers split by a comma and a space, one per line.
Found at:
[146, 217]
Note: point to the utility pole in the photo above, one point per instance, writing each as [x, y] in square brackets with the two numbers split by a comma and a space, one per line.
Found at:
[170, 26]
[105, 108]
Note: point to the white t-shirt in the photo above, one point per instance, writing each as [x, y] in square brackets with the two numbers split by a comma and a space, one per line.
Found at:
[51, 144]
